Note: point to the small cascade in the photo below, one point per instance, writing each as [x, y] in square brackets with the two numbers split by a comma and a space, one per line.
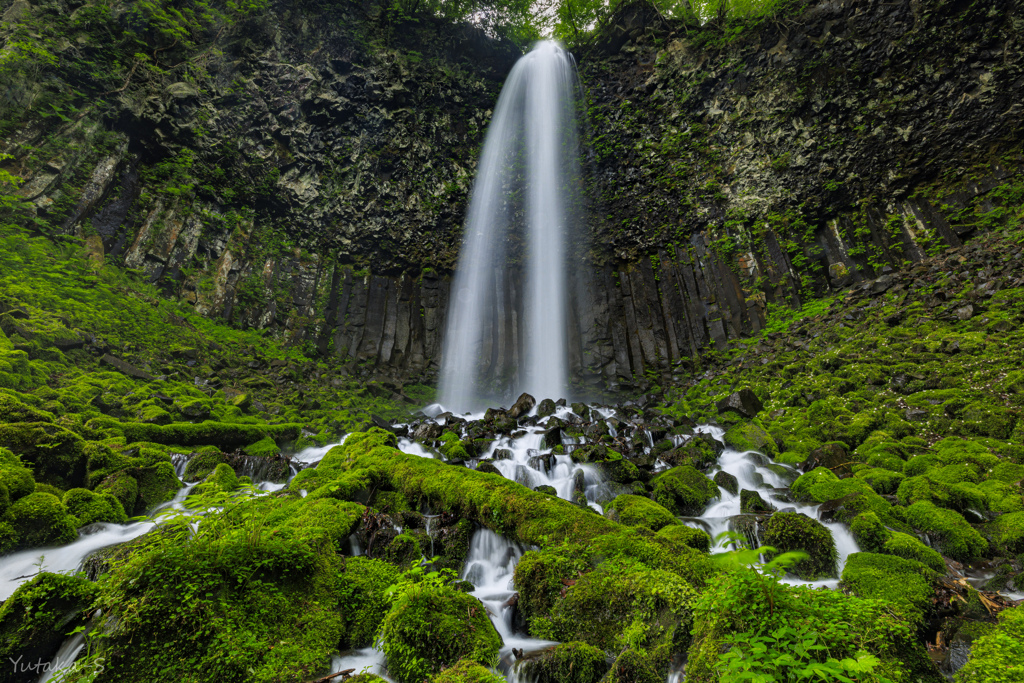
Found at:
[490, 567]
[64, 661]
[314, 454]
[755, 472]
[180, 462]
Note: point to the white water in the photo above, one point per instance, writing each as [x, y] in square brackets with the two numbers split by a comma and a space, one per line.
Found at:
[751, 474]
[533, 127]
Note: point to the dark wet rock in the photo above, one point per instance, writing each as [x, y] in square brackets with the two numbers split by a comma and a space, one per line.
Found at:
[964, 312]
[726, 481]
[487, 467]
[502, 454]
[832, 456]
[428, 431]
[126, 368]
[547, 490]
[744, 402]
[582, 410]
[546, 407]
[751, 502]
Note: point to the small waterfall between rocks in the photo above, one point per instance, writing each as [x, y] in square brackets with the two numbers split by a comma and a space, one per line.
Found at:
[526, 188]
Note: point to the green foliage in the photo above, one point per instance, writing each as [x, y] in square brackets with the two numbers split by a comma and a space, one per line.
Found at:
[999, 656]
[750, 627]
[362, 594]
[638, 511]
[904, 583]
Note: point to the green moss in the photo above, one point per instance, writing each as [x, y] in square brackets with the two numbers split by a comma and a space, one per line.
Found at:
[264, 448]
[13, 410]
[41, 519]
[467, 671]
[15, 476]
[902, 582]
[634, 666]
[999, 656]
[34, 621]
[572, 662]
[361, 595]
[222, 478]
[953, 535]
[821, 485]
[223, 435]
[883, 481]
[1007, 532]
[789, 531]
[750, 436]
[124, 487]
[56, 455]
[621, 601]
[91, 507]
[157, 484]
[430, 628]
[697, 539]
[683, 490]
[202, 464]
[638, 511]
[452, 447]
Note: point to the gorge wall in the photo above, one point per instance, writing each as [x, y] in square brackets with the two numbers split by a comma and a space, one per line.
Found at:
[306, 171]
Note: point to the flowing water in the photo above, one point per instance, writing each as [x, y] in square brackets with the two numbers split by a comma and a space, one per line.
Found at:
[529, 151]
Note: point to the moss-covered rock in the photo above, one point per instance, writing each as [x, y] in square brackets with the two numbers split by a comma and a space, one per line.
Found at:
[15, 476]
[751, 436]
[683, 490]
[949, 530]
[467, 671]
[726, 481]
[1007, 532]
[41, 519]
[34, 621]
[905, 583]
[634, 666]
[697, 539]
[751, 502]
[573, 662]
[89, 507]
[56, 455]
[124, 487]
[361, 595]
[226, 436]
[430, 628]
[638, 511]
[872, 536]
[222, 479]
[789, 531]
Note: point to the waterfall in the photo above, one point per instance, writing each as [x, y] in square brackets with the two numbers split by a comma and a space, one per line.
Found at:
[527, 188]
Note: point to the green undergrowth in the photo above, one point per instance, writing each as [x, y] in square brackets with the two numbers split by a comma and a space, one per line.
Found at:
[103, 380]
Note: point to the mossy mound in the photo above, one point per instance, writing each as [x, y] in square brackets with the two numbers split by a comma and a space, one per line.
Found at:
[34, 621]
[634, 666]
[871, 535]
[683, 490]
[751, 436]
[789, 531]
[638, 511]
[430, 628]
[1007, 532]
[572, 662]
[949, 530]
[467, 671]
[697, 539]
[361, 591]
[89, 507]
[55, 454]
[222, 479]
[905, 583]
[41, 519]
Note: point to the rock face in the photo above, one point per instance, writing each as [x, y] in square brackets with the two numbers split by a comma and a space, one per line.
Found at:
[313, 181]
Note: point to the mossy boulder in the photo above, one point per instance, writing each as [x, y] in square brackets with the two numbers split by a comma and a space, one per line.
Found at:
[683, 490]
[905, 583]
[573, 662]
[89, 507]
[790, 531]
[634, 666]
[751, 502]
[467, 671]
[13, 410]
[452, 447]
[15, 476]
[34, 621]
[202, 464]
[638, 511]
[41, 519]
[872, 536]
[751, 436]
[700, 451]
[157, 484]
[124, 487]
[1007, 532]
[226, 436]
[697, 539]
[948, 529]
[430, 628]
[726, 481]
[361, 594]
[222, 479]
[55, 454]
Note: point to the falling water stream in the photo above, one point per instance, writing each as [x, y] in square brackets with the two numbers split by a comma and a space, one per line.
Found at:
[530, 146]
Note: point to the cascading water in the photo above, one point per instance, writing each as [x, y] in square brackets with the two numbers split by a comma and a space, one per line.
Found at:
[530, 156]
